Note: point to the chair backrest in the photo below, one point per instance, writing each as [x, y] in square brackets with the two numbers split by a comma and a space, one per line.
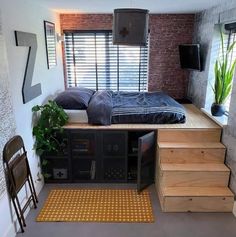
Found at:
[16, 163]
[13, 146]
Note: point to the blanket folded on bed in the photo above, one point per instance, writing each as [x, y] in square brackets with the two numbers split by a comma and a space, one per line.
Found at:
[106, 107]
[100, 108]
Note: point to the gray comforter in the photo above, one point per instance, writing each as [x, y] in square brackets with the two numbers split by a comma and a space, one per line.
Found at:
[107, 107]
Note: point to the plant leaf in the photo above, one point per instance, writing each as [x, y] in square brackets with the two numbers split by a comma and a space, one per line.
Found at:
[50, 123]
[224, 71]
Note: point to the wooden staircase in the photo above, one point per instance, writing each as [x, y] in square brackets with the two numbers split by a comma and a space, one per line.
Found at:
[191, 174]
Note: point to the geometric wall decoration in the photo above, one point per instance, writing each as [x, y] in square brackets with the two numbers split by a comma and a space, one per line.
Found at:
[29, 92]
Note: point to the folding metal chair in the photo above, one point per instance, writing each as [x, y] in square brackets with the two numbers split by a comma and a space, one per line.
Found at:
[18, 173]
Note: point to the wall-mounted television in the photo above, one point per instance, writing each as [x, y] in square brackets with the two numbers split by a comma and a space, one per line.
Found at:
[190, 56]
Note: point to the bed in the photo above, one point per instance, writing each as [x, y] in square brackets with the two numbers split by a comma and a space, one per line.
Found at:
[108, 107]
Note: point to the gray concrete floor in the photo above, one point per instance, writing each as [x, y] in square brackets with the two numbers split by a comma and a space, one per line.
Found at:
[166, 224]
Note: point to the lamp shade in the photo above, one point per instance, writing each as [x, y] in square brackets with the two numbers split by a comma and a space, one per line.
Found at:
[130, 26]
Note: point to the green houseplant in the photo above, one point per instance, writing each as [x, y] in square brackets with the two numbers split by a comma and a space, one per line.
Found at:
[47, 128]
[51, 120]
[224, 72]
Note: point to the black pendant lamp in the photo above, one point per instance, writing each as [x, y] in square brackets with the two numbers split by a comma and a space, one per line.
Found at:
[130, 26]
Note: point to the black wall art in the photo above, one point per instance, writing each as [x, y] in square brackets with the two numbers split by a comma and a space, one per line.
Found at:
[50, 38]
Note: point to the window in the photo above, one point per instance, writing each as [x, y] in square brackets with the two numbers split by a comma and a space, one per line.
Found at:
[231, 39]
[93, 61]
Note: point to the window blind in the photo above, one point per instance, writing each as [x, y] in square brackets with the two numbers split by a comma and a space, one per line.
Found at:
[93, 61]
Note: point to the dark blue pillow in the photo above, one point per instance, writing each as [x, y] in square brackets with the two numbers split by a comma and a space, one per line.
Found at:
[74, 98]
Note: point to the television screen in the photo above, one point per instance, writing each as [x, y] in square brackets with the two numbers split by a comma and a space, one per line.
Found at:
[190, 56]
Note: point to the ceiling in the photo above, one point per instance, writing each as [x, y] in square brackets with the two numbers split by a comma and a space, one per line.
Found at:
[107, 6]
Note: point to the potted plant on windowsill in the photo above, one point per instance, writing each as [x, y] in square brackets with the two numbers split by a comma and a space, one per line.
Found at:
[224, 72]
[49, 124]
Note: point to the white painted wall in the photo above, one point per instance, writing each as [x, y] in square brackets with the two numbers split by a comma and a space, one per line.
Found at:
[7, 130]
[26, 16]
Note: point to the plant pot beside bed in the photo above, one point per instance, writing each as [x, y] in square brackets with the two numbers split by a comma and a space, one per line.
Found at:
[217, 109]
[224, 72]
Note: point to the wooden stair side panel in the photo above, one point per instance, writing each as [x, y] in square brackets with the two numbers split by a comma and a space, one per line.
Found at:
[189, 135]
[160, 196]
[194, 155]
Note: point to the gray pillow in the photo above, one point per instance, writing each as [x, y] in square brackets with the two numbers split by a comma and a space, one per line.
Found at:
[74, 98]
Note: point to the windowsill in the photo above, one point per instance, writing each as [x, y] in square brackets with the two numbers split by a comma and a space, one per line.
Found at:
[221, 121]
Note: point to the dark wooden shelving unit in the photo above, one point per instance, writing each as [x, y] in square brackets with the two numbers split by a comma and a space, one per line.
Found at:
[97, 156]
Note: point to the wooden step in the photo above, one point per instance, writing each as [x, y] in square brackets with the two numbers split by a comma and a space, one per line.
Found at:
[197, 192]
[181, 153]
[196, 199]
[195, 167]
[190, 145]
[189, 135]
[194, 175]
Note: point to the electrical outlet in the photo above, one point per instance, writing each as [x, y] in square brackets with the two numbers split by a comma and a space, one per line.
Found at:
[39, 178]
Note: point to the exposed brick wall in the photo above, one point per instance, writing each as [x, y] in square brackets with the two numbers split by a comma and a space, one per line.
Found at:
[167, 32]
[86, 21]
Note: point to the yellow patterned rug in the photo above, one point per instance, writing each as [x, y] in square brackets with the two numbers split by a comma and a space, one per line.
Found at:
[97, 205]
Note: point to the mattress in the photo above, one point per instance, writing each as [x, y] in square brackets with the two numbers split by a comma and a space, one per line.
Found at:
[77, 116]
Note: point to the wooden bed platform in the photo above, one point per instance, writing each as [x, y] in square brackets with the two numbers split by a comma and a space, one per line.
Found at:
[195, 119]
[190, 173]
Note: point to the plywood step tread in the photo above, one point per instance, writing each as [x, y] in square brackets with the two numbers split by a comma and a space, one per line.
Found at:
[190, 145]
[194, 167]
[197, 192]
[189, 135]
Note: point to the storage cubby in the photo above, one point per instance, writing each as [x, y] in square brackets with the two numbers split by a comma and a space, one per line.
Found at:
[114, 169]
[114, 143]
[83, 169]
[56, 165]
[55, 169]
[83, 143]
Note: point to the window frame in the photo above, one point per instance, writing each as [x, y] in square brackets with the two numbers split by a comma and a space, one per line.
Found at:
[231, 32]
[142, 80]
